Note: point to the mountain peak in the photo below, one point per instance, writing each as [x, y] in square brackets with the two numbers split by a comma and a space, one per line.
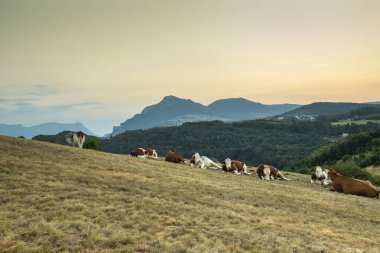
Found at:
[171, 98]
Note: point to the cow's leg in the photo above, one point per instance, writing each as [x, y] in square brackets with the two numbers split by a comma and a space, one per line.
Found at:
[246, 170]
[215, 165]
[282, 176]
[237, 172]
[312, 181]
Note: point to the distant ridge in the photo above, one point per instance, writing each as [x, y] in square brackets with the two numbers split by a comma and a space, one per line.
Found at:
[171, 111]
[323, 108]
[50, 128]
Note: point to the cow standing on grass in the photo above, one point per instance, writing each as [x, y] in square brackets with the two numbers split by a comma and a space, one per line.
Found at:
[203, 162]
[235, 166]
[270, 172]
[352, 186]
[75, 139]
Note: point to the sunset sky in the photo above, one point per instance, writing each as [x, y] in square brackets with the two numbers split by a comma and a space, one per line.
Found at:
[100, 62]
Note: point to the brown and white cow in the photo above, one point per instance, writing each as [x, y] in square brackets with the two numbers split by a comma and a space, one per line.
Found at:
[174, 157]
[234, 166]
[149, 152]
[75, 139]
[352, 186]
[319, 176]
[269, 172]
[138, 152]
[203, 162]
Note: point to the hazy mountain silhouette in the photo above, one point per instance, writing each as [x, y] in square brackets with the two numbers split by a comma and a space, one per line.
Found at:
[173, 111]
[45, 128]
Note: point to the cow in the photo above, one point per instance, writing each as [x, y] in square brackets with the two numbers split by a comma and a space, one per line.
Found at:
[174, 157]
[270, 172]
[138, 152]
[234, 166]
[203, 162]
[352, 186]
[320, 176]
[152, 153]
[75, 139]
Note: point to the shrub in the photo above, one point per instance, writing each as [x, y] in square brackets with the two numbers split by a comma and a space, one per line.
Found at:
[92, 144]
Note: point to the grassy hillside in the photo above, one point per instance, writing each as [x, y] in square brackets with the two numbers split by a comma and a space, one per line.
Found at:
[358, 116]
[57, 198]
[348, 155]
[357, 122]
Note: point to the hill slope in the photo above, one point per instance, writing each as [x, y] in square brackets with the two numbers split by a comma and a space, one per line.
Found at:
[46, 128]
[322, 108]
[173, 111]
[57, 198]
[348, 155]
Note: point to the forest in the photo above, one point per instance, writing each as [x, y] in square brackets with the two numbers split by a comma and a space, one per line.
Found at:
[281, 143]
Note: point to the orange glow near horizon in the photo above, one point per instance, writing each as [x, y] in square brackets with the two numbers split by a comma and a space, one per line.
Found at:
[129, 54]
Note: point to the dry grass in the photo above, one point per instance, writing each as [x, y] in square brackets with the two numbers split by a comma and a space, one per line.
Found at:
[375, 170]
[61, 199]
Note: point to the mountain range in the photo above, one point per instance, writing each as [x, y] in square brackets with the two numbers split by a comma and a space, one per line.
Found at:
[172, 111]
[46, 128]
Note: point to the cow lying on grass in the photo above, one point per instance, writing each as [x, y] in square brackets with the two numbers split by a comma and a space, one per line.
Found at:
[319, 176]
[269, 172]
[352, 186]
[138, 152]
[144, 153]
[235, 166]
[174, 157]
[203, 162]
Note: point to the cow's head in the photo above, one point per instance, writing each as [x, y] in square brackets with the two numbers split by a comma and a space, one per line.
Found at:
[192, 161]
[318, 172]
[228, 162]
[195, 159]
[332, 174]
[80, 134]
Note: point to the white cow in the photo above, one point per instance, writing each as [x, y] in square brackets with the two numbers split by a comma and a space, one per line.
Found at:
[203, 162]
[75, 139]
[320, 176]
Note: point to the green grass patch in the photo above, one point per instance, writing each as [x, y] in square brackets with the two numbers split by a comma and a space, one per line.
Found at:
[354, 122]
